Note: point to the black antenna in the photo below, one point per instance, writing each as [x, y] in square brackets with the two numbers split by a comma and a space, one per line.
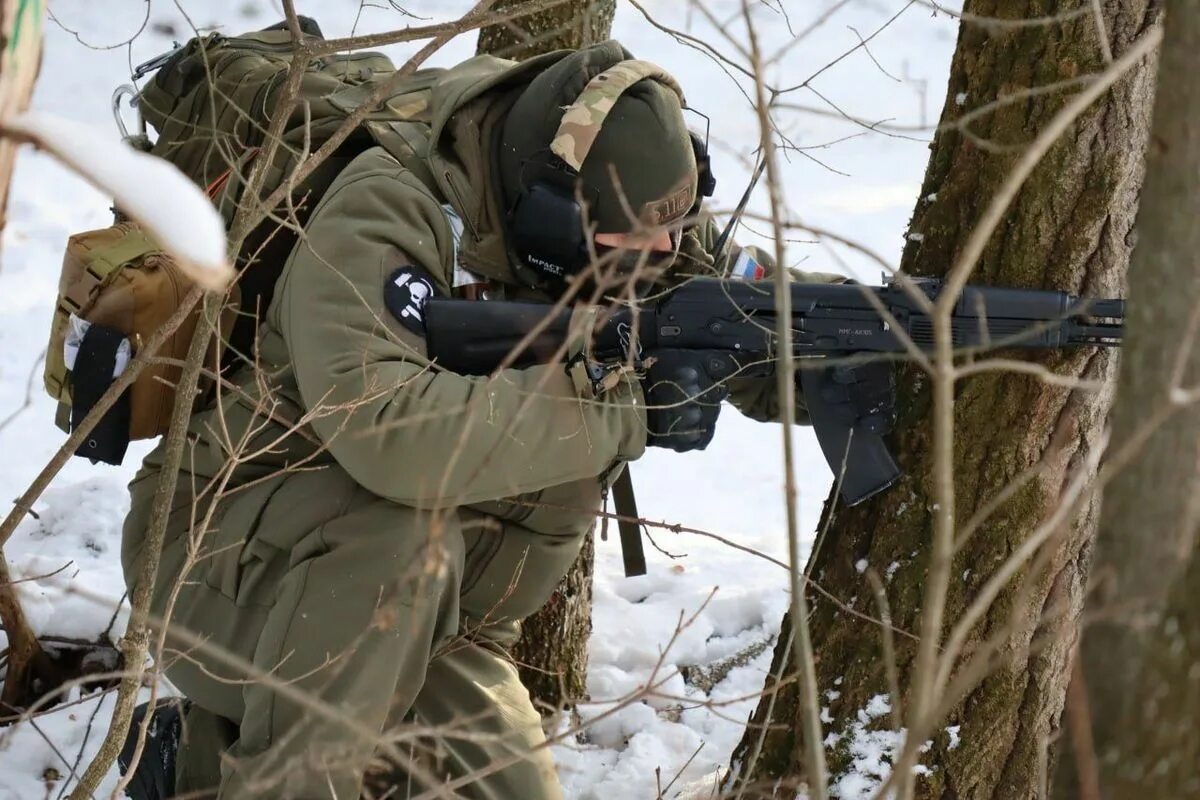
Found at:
[707, 123]
[719, 248]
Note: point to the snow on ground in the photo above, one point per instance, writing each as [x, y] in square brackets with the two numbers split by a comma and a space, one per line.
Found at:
[862, 186]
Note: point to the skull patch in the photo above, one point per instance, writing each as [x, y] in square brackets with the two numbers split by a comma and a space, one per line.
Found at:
[405, 294]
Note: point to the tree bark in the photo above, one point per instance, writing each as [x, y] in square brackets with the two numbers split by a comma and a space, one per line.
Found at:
[569, 25]
[552, 653]
[1069, 228]
[21, 24]
[1142, 641]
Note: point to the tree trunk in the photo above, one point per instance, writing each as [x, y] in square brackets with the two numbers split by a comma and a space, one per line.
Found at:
[21, 24]
[1068, 228]
[1142, 641]
[570, 25]
[552, 651]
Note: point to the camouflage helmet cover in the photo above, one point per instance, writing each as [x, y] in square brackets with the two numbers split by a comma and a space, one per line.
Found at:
[583, 119]
[615, 121]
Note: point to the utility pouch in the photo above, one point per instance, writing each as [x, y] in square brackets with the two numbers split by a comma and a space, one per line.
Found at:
[117, 288]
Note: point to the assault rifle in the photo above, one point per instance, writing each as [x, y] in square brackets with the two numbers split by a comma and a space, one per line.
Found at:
[734, 323]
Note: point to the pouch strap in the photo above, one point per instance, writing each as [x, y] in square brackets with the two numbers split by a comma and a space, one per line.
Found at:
[90, 379]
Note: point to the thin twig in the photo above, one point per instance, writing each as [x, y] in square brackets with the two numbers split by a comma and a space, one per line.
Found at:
[29, 384]
[1079, 723]
[889, 647]
[813, 741]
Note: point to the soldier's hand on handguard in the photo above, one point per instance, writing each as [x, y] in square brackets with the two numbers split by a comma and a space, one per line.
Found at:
[682, 400]
[864, 395]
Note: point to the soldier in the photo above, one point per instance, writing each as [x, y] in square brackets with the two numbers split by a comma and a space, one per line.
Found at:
[375, 528]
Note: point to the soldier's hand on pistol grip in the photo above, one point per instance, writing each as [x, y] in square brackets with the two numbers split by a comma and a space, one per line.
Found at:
[682, 399]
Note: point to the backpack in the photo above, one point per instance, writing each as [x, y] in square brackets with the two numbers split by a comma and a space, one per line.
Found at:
[209, 103]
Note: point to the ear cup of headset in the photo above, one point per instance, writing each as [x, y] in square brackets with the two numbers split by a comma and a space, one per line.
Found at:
[707, 181]
[544, 218]
[547, 231]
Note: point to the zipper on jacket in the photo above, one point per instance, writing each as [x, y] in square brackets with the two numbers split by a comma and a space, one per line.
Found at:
[470, 223]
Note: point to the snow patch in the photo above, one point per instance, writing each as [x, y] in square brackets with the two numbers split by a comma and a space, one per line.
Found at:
[953, 733]
[877, 706]
[872, 753]
[48, 752]
[152, 191]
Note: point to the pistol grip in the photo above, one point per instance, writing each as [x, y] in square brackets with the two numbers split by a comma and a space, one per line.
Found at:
[862, 459]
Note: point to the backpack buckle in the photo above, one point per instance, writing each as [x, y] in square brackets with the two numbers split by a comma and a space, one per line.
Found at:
[146, 67]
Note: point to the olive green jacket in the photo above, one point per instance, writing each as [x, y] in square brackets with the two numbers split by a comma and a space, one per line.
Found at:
[343, 396]
[343, 387]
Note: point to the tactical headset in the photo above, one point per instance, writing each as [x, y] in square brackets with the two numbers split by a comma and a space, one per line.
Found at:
[547, 219]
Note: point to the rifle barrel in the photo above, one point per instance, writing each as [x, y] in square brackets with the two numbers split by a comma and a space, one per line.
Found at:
[1110, 308]
[1097, 335]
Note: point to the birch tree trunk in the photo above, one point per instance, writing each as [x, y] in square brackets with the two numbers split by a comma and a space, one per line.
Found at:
[1070, 228]
[1141, 643]
[552, 653]
[21, 23]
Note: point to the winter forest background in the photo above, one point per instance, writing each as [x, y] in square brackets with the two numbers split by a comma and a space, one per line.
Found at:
[867, 82]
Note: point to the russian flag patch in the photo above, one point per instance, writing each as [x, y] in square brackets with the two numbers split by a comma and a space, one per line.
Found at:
[746, 268]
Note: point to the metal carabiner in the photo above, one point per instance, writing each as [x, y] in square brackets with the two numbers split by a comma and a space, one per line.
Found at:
[121, 91]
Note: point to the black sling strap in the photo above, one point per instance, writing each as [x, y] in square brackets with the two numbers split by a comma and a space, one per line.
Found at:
[631, 534]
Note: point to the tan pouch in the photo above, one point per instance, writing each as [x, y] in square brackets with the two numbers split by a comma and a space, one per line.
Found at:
[118, 277]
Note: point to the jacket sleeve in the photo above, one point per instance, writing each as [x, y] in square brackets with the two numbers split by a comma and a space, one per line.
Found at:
[401, 427]
[756, 398]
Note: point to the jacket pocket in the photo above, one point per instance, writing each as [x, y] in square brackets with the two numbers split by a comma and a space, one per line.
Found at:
[482, 535]
[274, 527]
[239, 562]
[510, 570]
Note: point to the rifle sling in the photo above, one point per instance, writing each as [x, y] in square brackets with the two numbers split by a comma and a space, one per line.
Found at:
[631, 534]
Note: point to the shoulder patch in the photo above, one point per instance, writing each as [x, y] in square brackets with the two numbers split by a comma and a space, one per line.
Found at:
[405, 294]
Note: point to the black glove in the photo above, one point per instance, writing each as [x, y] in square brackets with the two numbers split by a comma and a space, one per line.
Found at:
[683, 398]
[863, 395]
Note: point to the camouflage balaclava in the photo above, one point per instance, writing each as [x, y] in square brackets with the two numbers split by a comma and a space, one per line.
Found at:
[641, 151]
